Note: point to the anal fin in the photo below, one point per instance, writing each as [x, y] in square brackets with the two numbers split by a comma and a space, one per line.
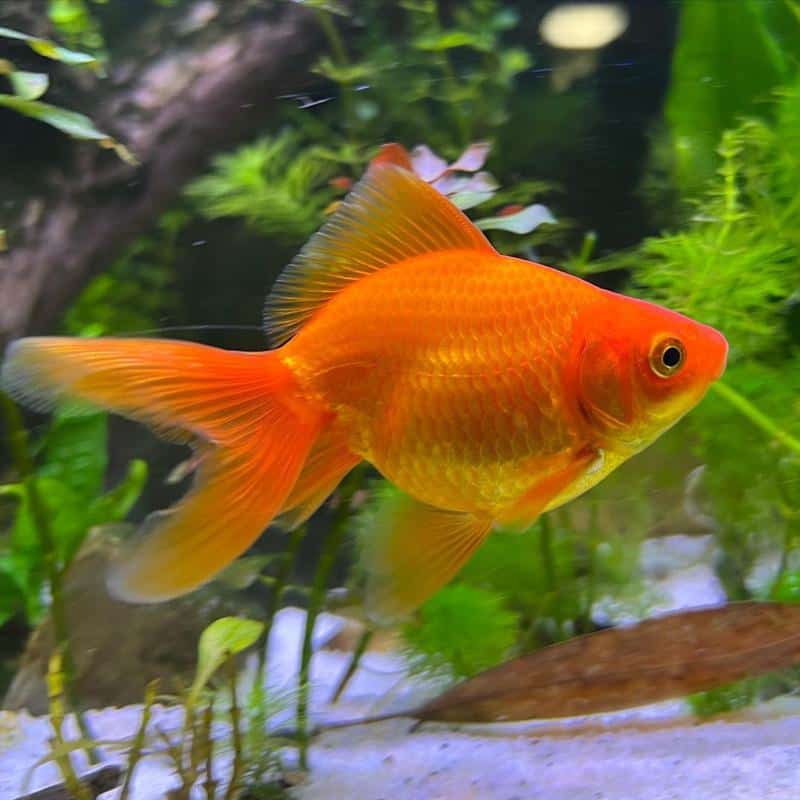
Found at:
[412, 550]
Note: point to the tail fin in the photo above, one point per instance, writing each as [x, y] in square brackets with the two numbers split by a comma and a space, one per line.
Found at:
[243, 409]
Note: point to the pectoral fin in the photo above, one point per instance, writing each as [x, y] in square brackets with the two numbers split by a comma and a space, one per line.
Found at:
[412, 549]
[565, 470]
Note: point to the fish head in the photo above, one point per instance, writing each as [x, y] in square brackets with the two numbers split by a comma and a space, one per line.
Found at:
[640, 368]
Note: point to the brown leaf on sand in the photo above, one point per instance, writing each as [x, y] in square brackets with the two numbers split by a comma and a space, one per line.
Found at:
[655, 660]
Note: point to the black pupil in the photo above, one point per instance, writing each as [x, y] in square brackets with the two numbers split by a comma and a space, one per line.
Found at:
[671, 357]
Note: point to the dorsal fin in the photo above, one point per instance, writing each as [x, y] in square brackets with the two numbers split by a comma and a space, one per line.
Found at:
[391, 215]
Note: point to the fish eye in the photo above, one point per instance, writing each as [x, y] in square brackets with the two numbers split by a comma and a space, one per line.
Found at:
[667, 357]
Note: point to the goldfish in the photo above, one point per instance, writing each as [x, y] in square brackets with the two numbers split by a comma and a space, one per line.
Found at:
[489, 389]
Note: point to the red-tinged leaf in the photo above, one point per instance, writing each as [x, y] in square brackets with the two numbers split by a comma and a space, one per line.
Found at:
[658, 659]
[426, 163]
[449, 184]
[396, 154]
[341, 182]
[473, 158]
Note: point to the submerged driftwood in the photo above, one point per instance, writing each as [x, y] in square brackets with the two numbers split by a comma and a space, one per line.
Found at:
[198, 80]
[96, 782]
[618, 668]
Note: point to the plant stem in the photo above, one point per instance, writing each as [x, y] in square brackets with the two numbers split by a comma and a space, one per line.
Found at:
[462, 123]
[256, 701]
[339, 52]
[594, 539]
[281, 579]
[315, 603]
[361, 648]
[139, 738]
[546, 550]
[334, 38]
[210, 783]
[20, 452]
[55, 697]
[236, 732]
[757, 417]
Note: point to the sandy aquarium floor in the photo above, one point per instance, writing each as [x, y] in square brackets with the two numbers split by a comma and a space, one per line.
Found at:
[742, 760]
[652, 753]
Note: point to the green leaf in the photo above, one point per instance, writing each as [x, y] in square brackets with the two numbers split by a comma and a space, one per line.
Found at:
[325, 6]
[48, 49]
[346, 74]
[115, 505]
[786, 589]
[74, 452]
[467, 199]
[447, 40]
[244, 572]
[222, 639]
[29, 85]
[505, 19]
[74, 124]
[513, 61]
[12, 600]
[24, 563]
[68, 515]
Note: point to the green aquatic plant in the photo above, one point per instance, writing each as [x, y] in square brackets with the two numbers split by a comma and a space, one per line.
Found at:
[725, 65]
[734, 265]
[454, 71]
[196, 749]
[75, 22]
[28, 87]
[137, 291]
[278, 185]
[518, 592]
[193, 753]
[459, 632]
[59, 498]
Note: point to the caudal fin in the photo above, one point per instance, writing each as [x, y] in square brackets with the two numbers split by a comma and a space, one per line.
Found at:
[243, 410]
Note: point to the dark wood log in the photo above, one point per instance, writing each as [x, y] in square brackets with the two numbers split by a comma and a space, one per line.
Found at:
[187, 88]
[97, 781]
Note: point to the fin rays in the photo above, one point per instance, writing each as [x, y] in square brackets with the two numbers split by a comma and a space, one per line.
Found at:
[253, 429]
[413, 549]
[390, 216]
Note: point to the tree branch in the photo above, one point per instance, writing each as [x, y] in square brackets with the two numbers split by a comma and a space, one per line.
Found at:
[177, 101]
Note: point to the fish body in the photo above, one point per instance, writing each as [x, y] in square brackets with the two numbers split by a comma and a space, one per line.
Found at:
[455, 375]
[487, 388]
[449, 373]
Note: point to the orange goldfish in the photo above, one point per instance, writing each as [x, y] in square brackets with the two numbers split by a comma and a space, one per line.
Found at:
[487, 388]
